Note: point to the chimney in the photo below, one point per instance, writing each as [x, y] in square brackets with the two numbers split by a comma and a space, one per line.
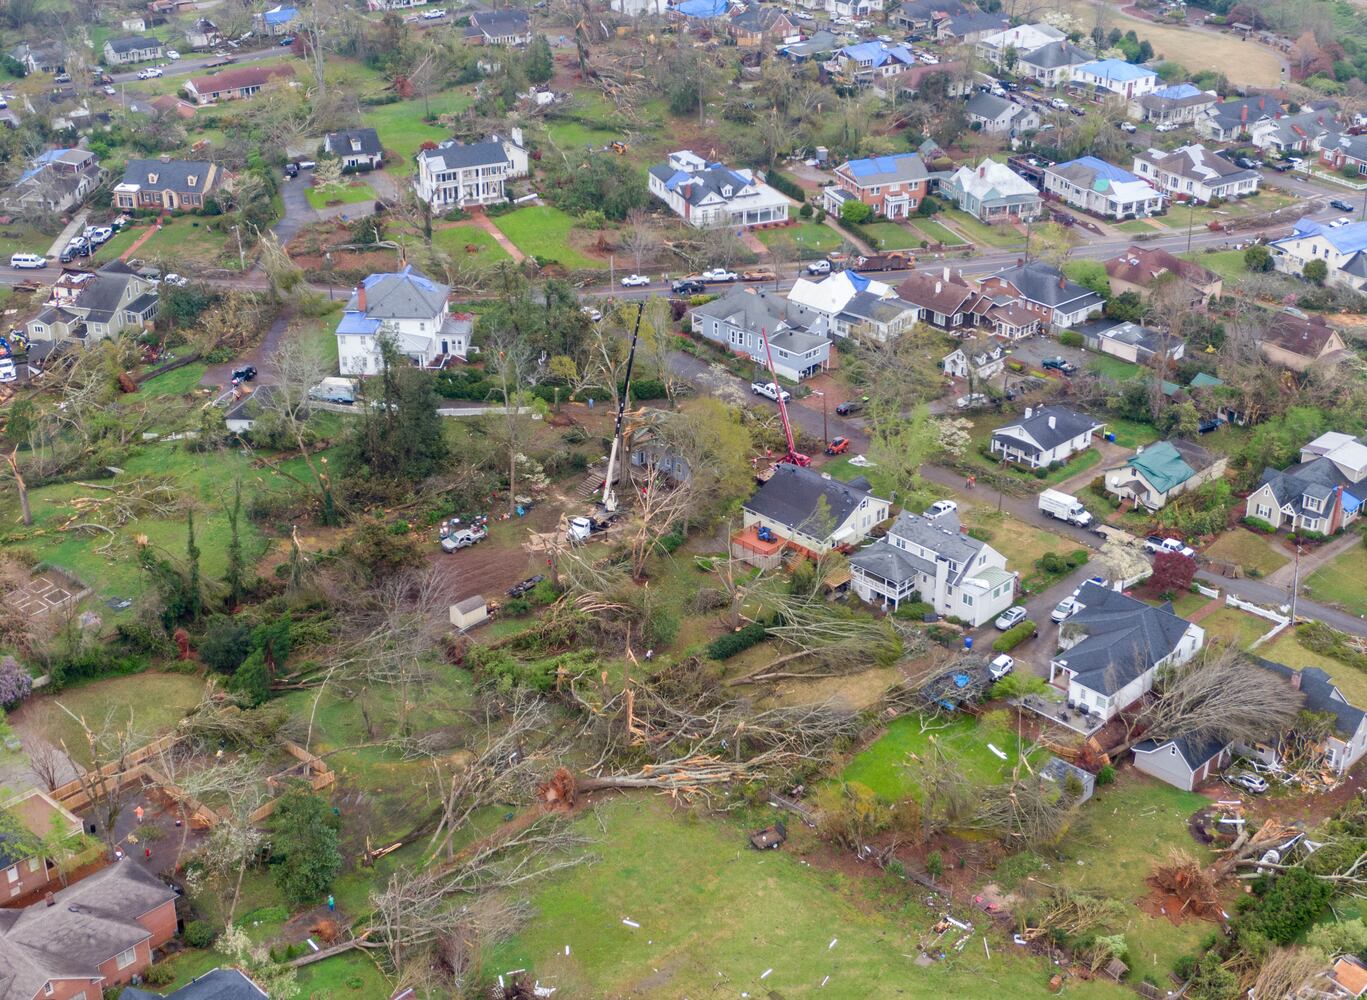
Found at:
[50, 899]
[1028, 411]
[982, 170]
[1295, 684]
[1243, 115]
[360, 296]
[1062, 281]
[1262, 103]
[946, 272]
[1051, 421]
[165, 157]
[1020, 261]
[938, 286]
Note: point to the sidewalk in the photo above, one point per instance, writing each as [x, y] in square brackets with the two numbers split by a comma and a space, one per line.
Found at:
[76, 225]
[151, 231]
[1281, 577]
[487, 224]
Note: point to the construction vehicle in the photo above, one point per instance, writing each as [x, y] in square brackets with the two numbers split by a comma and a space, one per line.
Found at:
[618, 147]
[793, 457]
[896, 261]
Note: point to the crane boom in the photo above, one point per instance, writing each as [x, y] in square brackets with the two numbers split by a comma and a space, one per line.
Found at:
[610, 494]
[794, 456]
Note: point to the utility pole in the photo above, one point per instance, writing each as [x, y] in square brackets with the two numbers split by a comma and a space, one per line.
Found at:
[1295, 584]
[1191, 218]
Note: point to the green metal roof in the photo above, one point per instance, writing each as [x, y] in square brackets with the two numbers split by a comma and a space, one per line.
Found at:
[1163, 466]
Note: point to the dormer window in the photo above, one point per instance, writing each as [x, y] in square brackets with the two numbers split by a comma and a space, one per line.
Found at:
[151, 178]
[192, 180]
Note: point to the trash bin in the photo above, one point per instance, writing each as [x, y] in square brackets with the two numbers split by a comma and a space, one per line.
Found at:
[1110, 436]
[968, 642]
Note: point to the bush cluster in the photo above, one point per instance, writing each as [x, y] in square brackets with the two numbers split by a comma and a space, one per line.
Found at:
[726, 646]
[1014, 636]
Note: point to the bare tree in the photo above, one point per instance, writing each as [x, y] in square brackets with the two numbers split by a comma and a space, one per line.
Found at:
[639, 238]
[512, 366]
[108, 747]
[298, 369]
[1293, 973]
[661, 506]
[12, 460]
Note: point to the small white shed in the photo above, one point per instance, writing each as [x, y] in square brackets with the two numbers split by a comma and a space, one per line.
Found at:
[469, 613]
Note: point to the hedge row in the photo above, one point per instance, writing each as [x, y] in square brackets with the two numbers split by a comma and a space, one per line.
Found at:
[474, 385]
[729, 645]
[1014, 636]
[786, 185]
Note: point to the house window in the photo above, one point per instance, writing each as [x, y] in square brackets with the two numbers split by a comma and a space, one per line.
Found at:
[127, 958]
[968, 601]
[1264, 512]
[48, 989]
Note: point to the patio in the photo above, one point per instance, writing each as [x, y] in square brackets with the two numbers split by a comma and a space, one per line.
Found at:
[1053, 706]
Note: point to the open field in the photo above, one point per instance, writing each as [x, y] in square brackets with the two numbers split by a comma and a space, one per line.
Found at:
[809, 240]
[1249, 550]
[720, 913]
[401, 126]
[543, 231]
[1342, 582]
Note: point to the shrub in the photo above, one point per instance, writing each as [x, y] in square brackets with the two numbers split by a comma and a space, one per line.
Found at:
[981, 534]
[1106, 775]
[226, 643]
[1014, 636]
[1078, 557]
[200, 933]
[1259, 525]
[92, 663]
[1052, 562]
[16, 684]
[805, 211]
[252, 681]
[1070, 338]
[944, 636]
[726, 646]
[1286, 906]
[935, 864]
[914, 610]
[856, 212]
[161, 974]
[144, 637]
[786, 184]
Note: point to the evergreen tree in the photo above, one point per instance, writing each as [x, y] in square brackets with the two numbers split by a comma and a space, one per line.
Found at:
[194, 598]
[304, 856]
[235, 575]
[539, 65]
[252, 682]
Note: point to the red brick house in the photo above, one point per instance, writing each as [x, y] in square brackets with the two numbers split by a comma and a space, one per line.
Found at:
[22, 872]
[892, 186]
[95, 934]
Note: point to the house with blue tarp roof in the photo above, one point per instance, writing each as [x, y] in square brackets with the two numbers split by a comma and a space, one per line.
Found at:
[57, 180]
[707, 194]
[1102, 188]
[867, 61]
[701, 9]
[408, 307]
[1179, 104]
[1115, 76]
[1342, 248]
[279, 20]
[892, 186]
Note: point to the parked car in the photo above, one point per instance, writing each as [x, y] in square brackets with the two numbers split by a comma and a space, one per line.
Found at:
[67, 255]
[819, 267]
[243, 374]
[758, 274]
[1058, 365]
[1000, 667]
[1343, 221]
[291, 171]
[109, 91]
[635, 281]
[838, 446]
[769, 391]
[1010, 618]
[1248, 782]
[688, 286]
[172, 54]
[973, 399]
[63, 78]
[100, 235]
[592, 313]
[1064, 609]
[179, 281]
[1165, 127]
[1077, 111]
[27, 260]
[1157, 544]
[940, 507]
[8, 373]
[1127, 127]
[150, 73]
[717, 275]
[1341, 205]
[1059, 103]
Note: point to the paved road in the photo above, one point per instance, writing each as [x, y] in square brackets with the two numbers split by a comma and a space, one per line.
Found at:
[202, 63]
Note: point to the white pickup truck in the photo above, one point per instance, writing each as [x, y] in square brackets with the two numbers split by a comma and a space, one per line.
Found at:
[769, 391]
[1155, 544]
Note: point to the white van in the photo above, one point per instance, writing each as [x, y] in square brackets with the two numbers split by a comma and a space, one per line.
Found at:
[27, 260]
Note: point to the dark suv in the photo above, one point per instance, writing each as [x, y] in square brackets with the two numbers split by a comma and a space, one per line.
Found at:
[851, 406]
[689, 286]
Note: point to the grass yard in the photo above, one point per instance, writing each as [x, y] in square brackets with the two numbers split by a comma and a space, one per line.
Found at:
[883, 766]
[178, 382]
[20, 238]
[1228, 264]
[1234, 627]
[401, 126]
[1137, 226]
[187, 242]
[458, 239]
[808, 240]
[544, 231]
[1131, 433]
[1002, 237]
[934, 232]
[893, 236]
[1340, 582]
[1287, 648]
[1249, 550]
[120, 242]
[981, 435]
[840, 468]
[1022, 544]
[1122, 830]
[1113, 367]
[352, 194]
[714, 915]
[570, 136]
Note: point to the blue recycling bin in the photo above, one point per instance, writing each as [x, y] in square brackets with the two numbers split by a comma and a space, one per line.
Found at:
[1110, 436]
[968, 642]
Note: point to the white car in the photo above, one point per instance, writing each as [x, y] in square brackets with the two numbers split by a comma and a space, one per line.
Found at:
[819, 267]
[1065, 608]
[802, 15]
[1130, 127]
[635, 281]
[7, 370]
[1000, 667]
[110, 91]
[717, 275]
[433, 15]
[1010, 618]
[769, 391]
[1166, 127]
[1248, 782]
[172, 54]
[940, 507]
[176, 280]
[972, 399]
[1340, 222]
[1059, 103]
[591, 313]
[150, 73]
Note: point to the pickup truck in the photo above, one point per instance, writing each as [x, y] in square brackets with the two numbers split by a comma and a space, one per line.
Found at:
[1058, 365]
[717, 275]
[463, 538]
[688, 286]
[769, 391]
[1157, 544]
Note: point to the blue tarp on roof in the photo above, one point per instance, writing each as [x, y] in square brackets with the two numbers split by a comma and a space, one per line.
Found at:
[358, 322]
[1177, 91]
[1345, 239]
[878, 53]
[41, 160]
[280, 15]
[1115, 69]
[1350, 502]
[879, 164]
[859, 282]
[702, 8]
[426, 284]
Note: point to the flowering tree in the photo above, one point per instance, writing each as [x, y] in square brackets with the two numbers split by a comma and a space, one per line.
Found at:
[15, 683]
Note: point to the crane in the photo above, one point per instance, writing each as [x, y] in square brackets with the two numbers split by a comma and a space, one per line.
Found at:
[610, 494]
[794, 456]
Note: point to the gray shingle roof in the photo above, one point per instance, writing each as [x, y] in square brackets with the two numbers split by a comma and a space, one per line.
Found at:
[173, 175]
[1056, 54]
[220, 984]
[1321, 695]
[792, 496]
[1124, 638]
[1318, 478]
[940, 535]
[1041, 283]
[459, 155]
[989, 106]
[407, 294]
[354, 140]
[1196, 749]
[133, 43]
[1067, 424]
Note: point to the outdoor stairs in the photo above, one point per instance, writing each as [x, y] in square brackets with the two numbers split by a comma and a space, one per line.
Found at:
[592, 483]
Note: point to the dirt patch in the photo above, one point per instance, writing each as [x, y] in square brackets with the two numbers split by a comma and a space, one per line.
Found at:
[1166, 906]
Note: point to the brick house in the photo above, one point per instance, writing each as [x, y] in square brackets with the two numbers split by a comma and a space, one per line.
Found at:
[892, 186]
[1137, 269]
[1045, 291]
[39, 814]
[166, 184]
[234, 84]
[95, 934]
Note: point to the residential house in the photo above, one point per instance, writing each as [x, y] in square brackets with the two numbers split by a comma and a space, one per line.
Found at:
[892, 186]
[132, 49]
[1349, 977]
[1295, 341]
[357, 148]
[701, 10]
[1130, 341]
[1314, 494]
[1227, 120]
[1138, 269]
[1344, 153]
[831, 296]
[376, 5]
[1346, 744]
[1292, 133]
[1194, 173]
[1045, 436]
[865, 62]
[945, 298]
[41, 57]
[851, 8]
[246, 405]
[997, 115]
[1178, 104]
[706, 194]
[217, 984]
[761, 27]
[203, 34]
[95, 934]
[167, 185]
[409, 307]
[976, 359]
[813, 513]
[743, 319]
[970, 27]
[134, 22]
[1095, 186]
[1051, 65]
[35, 815]
[908, 82]
[463, 175]
[1112, 648]
[1022, 38]
[879, 318]
[920, 17]
[279, 20]
[1045, 291]
[170, 104]
[96, 305]
[818, 48]
[235, 84]
[1106, 77]
[1184, 762]
[56, 181]
[993, 193]
[1342, 248]
[1163, 471]
[499, 27]
[932, 559]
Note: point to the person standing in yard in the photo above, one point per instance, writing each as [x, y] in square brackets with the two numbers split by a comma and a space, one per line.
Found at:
[138, 813]
[332, 904]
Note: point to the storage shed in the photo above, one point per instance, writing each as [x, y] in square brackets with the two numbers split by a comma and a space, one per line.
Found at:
[469, 612]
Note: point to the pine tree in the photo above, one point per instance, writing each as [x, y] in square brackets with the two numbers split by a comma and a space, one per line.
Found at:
[235, 576]
[194, 598]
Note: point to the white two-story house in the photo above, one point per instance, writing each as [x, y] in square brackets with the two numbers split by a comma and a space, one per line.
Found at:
[464, 175]
[412, 309]
[1323, 492]
[1194, 173]
[743, 320]
[706, 194]
[932, 560]
[1045, 435]
[979, 358]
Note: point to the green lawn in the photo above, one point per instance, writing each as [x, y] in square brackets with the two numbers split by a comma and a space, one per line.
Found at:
[120, 242]
[1235, 628]
[1287, 648]
[18, 237]
[175, 383]
[714, 916]
[1113, 367]
[175, 695]
[401, 126]
[935, 233]
[892, 235]
[572, 136]
[808, 240]
[1022, 544]
[1131, 433]
[1228, 264]
[1137, 226]
[456, 241]
[1249, 550]
[1002, 237]
[883, 766]
[352, 974]
[543, 231]
[1342, 582]
[352, 194]
[188, 241]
